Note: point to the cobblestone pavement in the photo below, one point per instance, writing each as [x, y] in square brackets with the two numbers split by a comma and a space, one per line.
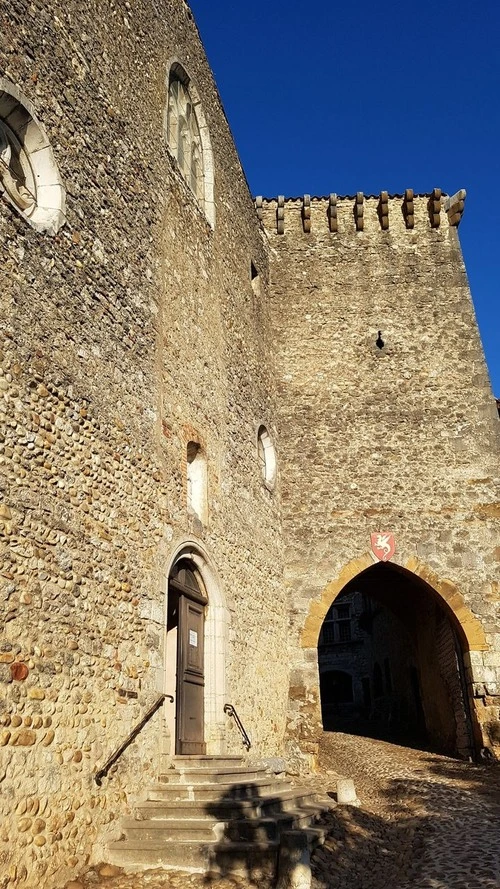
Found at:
[105, 877]
[425, 822]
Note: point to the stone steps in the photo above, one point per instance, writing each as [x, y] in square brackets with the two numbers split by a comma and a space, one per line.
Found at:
[225, 810]
[162, 830]
[195, 857]
[204, 775]
[214, 762]
[205, 829]
[204, 790]
[213, 815]
[208, 763]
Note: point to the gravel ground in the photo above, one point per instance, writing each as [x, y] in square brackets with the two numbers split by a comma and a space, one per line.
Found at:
[425, 822]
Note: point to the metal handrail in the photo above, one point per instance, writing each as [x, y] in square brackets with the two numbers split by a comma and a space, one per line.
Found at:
[231, 711]
[133, 734]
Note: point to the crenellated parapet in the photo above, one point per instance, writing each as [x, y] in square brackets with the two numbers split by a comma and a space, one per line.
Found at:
[454, 206]
[360, 212]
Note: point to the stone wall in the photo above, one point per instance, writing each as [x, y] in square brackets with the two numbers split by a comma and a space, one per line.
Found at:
[132, 330]
[400, 435]
[142, 326]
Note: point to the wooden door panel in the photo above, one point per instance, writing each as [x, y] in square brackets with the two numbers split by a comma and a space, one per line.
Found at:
[190, 678]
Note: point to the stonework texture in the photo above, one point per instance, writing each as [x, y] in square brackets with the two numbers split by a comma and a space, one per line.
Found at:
[400, 437]
[132, 331]
[141, 326]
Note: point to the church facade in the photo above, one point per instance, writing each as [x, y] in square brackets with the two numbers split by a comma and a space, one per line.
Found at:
[212, 407]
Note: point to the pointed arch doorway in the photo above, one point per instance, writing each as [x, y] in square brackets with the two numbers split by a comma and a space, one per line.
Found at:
[186, 609]
[404, 650]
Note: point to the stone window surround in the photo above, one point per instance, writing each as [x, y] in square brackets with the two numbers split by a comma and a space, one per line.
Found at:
[216, 640]
[266, 455]
[197, 480]
[176, 69]
[18, 116]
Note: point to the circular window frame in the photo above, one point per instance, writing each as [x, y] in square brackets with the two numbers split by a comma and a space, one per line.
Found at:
[266, 455]
[24, 132]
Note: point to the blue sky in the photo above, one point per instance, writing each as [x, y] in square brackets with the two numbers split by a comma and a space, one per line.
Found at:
[365, 96]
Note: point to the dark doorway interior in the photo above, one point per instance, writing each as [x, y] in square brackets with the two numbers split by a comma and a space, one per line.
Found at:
[337, 697]
[186, 616]
[391, 664]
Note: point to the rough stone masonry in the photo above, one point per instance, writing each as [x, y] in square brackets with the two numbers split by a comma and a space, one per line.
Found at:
[133, 331]
[386, 422]
[142, 326]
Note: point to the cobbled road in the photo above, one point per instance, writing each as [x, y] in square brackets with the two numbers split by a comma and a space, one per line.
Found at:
[425, 822]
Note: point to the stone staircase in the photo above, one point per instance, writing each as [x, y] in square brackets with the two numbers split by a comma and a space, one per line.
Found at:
[215, 814]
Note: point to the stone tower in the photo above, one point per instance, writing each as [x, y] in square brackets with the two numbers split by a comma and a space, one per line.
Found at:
[137, 422]
[387, 424]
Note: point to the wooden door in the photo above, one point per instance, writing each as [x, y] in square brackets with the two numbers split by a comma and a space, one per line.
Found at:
[190, 678]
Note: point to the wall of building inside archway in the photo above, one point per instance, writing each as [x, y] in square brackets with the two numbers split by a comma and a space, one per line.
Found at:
[392, 635]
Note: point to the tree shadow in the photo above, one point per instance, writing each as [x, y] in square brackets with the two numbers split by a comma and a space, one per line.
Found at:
[439, 830]
[362, 849]
[248, 827]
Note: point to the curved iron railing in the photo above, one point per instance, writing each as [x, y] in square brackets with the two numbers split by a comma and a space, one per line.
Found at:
[133, 734]
[231, 711]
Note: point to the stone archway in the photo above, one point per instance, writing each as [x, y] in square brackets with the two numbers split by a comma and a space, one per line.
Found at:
[451, 597]
[458, 623]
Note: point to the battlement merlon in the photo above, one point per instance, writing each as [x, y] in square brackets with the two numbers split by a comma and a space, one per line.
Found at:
[361, 212]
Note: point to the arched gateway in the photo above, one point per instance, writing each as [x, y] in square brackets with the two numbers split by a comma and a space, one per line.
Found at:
[389, 631]
[405, 645]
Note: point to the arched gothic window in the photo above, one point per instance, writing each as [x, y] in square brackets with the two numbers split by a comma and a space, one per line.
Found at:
[183, 135]
[15, 171]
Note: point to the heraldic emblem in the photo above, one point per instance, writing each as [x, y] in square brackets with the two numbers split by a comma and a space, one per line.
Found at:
[383, 545]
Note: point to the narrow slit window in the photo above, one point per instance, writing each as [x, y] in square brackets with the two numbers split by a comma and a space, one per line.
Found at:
[197, 499]
[254, 279]
[267, 457]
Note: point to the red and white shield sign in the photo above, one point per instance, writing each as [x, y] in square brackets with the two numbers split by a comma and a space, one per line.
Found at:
[383, 545]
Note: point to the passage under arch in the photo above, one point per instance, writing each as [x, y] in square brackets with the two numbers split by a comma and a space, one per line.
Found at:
[337, 697]
[468, 626]
[406, 659]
